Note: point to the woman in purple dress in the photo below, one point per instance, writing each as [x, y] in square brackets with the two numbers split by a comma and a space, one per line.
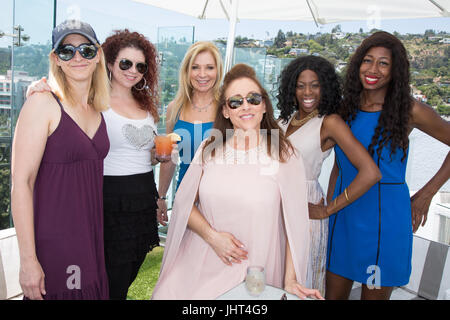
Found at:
[57, 173]
[129, 190]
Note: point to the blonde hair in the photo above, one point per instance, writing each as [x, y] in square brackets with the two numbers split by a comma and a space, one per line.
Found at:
[98, 96]
[185, 88]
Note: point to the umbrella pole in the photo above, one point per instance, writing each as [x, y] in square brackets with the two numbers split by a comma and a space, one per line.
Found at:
[231, 36]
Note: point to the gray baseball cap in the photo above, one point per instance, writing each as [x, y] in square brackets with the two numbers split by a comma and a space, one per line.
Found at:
[72, 26]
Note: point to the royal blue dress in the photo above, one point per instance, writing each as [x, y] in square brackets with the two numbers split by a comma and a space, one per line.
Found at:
[192, 135]
[370, 240]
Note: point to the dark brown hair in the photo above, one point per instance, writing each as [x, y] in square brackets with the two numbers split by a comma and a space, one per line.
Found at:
[268, 122]
[394, 119]
[148, 99]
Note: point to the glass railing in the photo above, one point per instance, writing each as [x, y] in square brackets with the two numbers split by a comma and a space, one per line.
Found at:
[6, 42]
[172, 45]
[26, 27]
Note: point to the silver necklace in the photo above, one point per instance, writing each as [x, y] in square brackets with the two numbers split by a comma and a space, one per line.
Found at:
[200, 109]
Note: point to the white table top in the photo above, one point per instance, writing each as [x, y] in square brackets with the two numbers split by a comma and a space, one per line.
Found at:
[270, 293]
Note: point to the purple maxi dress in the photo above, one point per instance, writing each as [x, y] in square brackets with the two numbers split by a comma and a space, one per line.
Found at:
[68, 212]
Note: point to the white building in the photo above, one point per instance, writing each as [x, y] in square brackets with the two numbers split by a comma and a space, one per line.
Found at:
[5, 92]
[21, 82]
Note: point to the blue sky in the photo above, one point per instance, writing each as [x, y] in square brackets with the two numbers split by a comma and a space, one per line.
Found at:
[105, 15]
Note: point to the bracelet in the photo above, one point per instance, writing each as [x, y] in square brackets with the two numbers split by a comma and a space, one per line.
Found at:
[346, 195]
[162, 198]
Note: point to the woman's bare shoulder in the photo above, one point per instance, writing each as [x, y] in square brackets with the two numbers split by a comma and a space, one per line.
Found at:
[331, 119]
[170, 108]
[41, 106]
[332, 123]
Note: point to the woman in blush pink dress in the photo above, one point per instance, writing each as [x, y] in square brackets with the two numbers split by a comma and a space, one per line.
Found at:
[243, 203]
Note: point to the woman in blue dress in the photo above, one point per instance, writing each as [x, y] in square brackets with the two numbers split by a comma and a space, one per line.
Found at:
[370, 240]
[191, 114]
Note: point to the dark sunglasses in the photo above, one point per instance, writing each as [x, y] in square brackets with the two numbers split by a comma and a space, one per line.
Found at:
[68, 51]
[236, 101]
[126, 64]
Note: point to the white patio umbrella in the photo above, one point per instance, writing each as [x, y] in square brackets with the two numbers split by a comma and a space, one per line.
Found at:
[319, 11]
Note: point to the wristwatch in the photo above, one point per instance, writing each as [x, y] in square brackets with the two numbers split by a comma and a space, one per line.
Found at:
[163, 198]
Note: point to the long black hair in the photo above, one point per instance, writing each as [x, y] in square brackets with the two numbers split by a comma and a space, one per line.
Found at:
[394, 119]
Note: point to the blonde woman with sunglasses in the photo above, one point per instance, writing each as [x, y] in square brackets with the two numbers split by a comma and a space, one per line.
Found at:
[57, 173]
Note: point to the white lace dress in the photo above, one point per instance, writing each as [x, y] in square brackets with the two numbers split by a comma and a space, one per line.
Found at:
[306, 140]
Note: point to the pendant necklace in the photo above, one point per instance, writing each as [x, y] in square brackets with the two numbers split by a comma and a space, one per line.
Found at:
[200, 109]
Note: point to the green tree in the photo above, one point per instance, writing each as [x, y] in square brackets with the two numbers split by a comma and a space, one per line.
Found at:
[5, 192]
[314, 46]
[5, 188]
[434, 101]
[5, 60]
[443, 110]
[280, 39]
[336, 29]
[429, 33]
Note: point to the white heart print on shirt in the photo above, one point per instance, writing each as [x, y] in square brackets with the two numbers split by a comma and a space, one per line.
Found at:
[138, 137]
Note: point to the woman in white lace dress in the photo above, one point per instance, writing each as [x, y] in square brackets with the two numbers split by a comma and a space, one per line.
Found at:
[309, 95]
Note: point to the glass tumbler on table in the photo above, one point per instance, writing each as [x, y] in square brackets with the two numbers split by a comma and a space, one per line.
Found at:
[255, 281]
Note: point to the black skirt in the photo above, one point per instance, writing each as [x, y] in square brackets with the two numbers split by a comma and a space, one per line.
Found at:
[130, 224]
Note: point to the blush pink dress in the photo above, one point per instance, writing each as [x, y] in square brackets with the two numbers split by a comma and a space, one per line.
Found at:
[261, 201]
[306, 140]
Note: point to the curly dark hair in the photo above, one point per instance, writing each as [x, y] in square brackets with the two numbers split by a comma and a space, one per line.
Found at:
[330, 86]
[393, 122]
[147, 99]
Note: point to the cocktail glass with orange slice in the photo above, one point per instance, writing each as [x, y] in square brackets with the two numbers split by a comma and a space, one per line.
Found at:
[164, 146]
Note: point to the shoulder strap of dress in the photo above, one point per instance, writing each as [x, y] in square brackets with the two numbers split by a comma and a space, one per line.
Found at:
[178, 114]
[57, 100]
[321, 120]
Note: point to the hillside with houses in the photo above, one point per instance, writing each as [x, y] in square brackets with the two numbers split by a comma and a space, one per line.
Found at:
[428, 54]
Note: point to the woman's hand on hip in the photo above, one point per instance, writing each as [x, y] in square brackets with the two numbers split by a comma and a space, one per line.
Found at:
[420, 204]
[317, 211]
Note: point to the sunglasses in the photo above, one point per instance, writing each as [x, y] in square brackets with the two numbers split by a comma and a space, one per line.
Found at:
[126, 64]
[252, 98]
[68, 51]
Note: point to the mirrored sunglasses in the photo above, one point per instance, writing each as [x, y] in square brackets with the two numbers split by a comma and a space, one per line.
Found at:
[126, 64]
[236, 101]
[68, 51]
